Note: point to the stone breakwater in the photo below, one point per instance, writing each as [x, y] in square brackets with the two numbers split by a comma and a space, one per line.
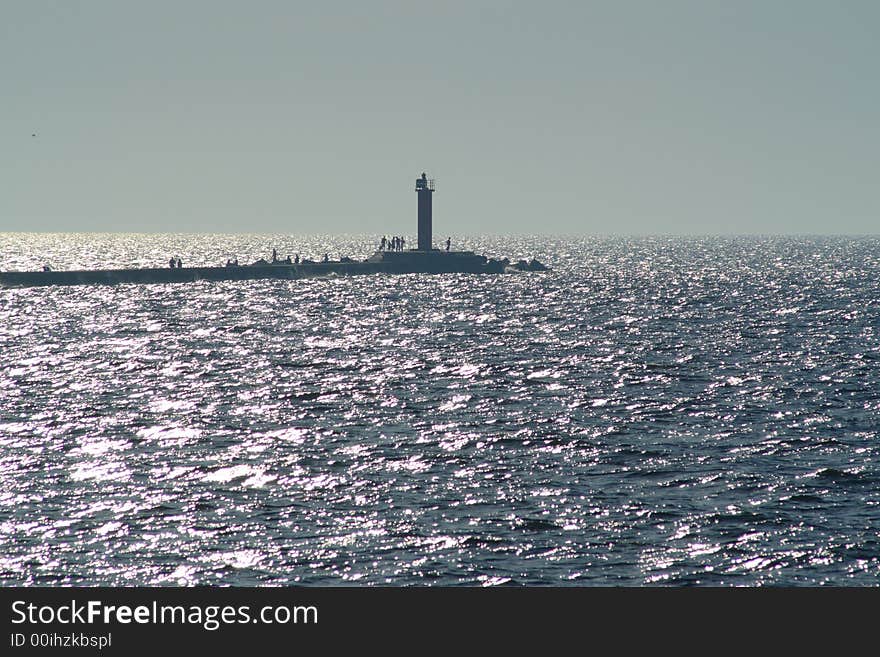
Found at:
[382, 262]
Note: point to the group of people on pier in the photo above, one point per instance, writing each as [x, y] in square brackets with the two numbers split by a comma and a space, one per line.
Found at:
[286, 261]
[176, 263]
[296, 260]
[396, 243]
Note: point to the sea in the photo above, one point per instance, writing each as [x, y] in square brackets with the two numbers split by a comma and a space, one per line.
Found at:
[653, 411]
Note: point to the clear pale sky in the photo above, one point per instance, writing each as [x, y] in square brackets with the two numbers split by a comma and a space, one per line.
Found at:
[617, 117]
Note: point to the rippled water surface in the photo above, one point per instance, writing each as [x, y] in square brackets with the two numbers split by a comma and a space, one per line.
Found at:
[653, 411]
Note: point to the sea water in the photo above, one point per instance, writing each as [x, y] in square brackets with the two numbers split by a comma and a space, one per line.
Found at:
[653, 411]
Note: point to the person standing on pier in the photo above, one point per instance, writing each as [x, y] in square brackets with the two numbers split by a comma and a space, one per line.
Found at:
[172, 263]
[179, 264]
[448, 242]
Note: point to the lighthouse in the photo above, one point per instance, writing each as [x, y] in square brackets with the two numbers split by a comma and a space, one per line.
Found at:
[424, 189]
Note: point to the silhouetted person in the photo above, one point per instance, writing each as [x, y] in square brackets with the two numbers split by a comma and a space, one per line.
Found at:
[402, 243]
[448, 242]
[288, 261]
[274, 255]
[296, 260]
[179, 263]
[383, 243]
[172, 263]
[326, 257]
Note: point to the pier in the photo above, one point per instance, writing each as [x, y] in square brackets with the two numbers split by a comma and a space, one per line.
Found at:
[425, 259]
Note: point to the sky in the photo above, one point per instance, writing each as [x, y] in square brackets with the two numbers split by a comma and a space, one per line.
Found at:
[596, 118]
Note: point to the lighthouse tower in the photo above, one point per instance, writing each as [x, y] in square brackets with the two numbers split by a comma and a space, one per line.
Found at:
[424, 189]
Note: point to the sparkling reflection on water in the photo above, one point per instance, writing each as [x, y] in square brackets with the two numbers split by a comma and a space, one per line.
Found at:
[654, 410]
